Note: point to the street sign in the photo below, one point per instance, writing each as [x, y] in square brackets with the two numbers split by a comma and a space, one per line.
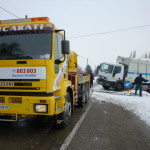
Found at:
[128, 84]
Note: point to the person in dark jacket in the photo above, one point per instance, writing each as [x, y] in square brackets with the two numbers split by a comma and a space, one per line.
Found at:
[91, 80]
[138, 84]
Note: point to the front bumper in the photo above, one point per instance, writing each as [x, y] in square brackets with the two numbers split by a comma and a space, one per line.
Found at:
[25, 105]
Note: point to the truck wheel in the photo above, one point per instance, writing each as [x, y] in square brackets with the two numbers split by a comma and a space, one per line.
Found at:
[148, 89]
[65, 116]
[82, 99]
[105, 87]
[87, 94]
[119, 87]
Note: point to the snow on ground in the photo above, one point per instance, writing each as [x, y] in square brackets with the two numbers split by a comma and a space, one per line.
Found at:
[140, 106]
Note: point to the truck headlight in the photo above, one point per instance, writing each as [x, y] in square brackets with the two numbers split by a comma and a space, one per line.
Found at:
[41, 108]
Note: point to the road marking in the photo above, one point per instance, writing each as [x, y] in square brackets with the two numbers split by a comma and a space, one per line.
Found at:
[75, 129]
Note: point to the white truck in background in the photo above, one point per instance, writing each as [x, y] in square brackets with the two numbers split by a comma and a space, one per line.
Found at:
[127, 69]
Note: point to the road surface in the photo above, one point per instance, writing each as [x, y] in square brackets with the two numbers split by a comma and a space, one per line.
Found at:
[110, 127]
[105, 127]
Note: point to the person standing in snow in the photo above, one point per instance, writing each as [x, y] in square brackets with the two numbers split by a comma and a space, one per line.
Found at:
[138, 84]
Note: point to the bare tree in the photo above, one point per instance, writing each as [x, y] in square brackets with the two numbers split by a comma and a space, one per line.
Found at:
[146, 55]
[131, 55]
[134, 54]
[97, 70]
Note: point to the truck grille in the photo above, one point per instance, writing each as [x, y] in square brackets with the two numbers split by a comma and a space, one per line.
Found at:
[18, 84]
[19, 79]
[19, 88]
[25, 94]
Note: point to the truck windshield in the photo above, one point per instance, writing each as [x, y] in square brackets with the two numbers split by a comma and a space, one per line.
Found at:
[25, 46]
[107, 68]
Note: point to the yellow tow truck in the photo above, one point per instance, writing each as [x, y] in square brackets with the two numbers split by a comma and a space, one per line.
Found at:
[38, 72]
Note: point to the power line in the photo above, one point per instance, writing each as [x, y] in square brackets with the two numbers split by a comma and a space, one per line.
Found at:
[108, 32]
[9, 12]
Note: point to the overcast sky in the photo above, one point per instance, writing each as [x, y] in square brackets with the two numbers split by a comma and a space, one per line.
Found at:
[89, 17]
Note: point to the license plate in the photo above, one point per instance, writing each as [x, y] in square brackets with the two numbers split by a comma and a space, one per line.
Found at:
[3, 107]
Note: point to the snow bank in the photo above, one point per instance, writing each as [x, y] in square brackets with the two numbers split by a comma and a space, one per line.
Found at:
[140, 106]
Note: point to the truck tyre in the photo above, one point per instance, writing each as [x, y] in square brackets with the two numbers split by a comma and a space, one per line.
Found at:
[105, 87]
[66, 115]
[87, 95]
[83, 98]
[119, 87]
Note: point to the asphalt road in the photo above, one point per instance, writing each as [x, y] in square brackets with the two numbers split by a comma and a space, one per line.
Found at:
[105, 127]
[110, 127]
[34, 134]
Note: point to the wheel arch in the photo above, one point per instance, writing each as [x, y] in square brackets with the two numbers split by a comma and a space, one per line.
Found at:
[118, 81]
[70, 91]
[116, 84]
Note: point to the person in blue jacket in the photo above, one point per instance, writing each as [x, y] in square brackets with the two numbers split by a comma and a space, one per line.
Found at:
[138, 84]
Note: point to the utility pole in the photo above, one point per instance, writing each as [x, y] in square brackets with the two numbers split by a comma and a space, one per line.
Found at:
[87, 61]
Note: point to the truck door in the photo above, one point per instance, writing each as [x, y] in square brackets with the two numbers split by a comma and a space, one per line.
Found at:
[118, 73]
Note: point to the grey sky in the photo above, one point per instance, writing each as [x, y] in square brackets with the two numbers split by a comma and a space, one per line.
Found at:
[85, 17]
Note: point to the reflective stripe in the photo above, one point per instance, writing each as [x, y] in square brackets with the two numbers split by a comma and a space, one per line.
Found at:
[75, 95]
[138, 73]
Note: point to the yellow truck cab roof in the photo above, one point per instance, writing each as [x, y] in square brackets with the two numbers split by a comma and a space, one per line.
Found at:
[39, 23]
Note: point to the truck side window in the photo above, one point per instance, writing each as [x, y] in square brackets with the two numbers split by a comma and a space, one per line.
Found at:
[58, 50]
[117, 70]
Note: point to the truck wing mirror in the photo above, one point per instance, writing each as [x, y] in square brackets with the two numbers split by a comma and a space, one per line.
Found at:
[58, 61]
[65, 47]
[64, 43]
[65, 50]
